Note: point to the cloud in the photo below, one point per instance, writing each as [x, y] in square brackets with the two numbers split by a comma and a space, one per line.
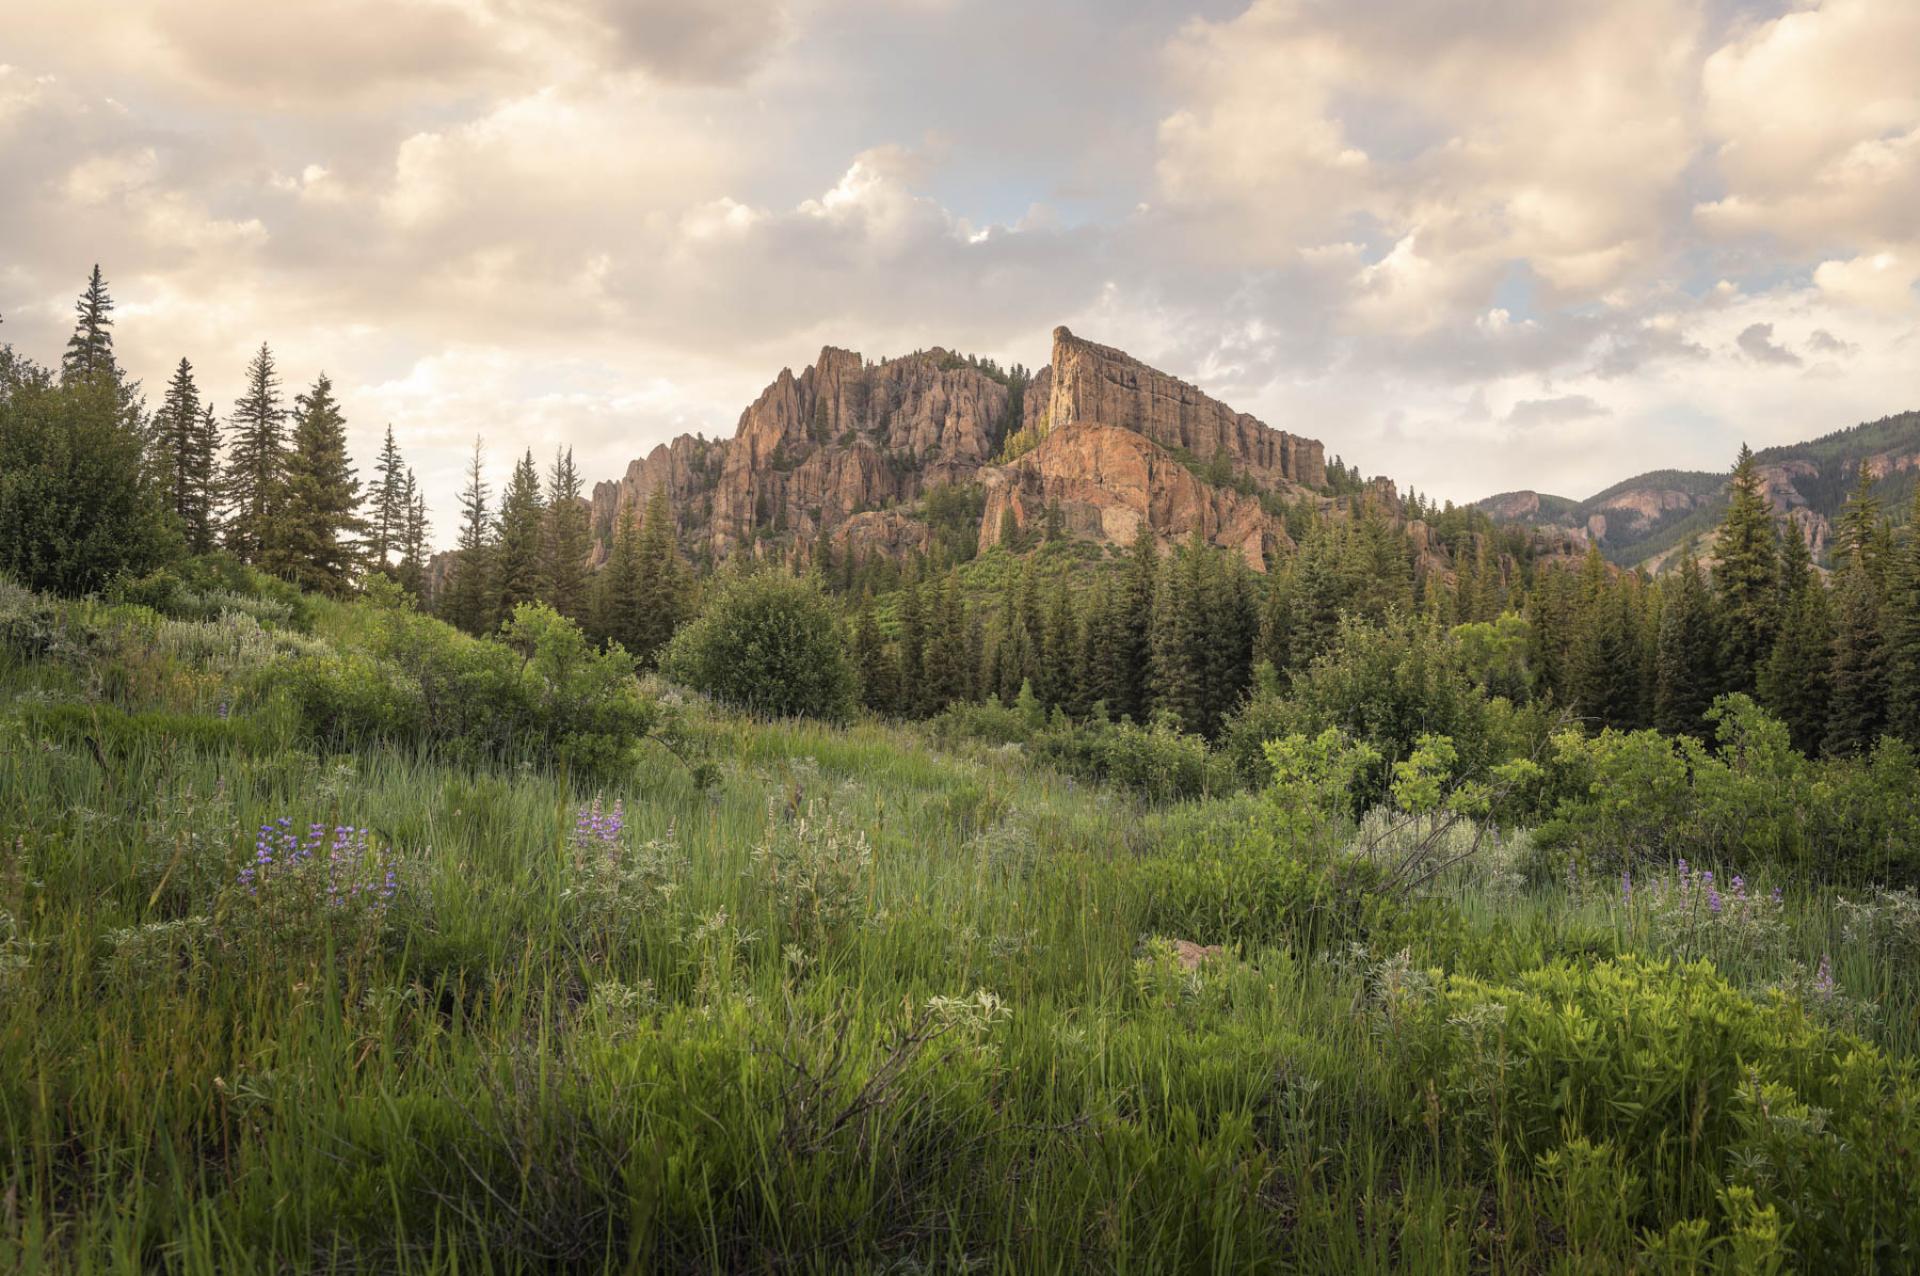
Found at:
[697, 41]
[1815, 122]
[1530, 413]
[1820, 341]
[1877, 281]
[1757, 343]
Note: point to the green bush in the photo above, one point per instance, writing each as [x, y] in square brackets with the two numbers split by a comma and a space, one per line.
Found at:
[1623, 797]
[769, 643]
[1160, 762]
[542, 691]
[1713, 1099]
[212, 586]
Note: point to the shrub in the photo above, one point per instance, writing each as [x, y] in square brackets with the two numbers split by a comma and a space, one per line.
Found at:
[769, 643]
[542, 691]
[1715, 1101]
[1160, 762]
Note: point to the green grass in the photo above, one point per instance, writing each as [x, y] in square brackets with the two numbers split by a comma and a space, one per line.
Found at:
[863, 1004]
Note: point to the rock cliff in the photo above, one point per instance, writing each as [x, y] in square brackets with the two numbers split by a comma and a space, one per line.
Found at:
[844, 451]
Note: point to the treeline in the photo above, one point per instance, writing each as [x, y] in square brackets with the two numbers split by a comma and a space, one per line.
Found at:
[536, 546]
[94, 486]
[1833, 654]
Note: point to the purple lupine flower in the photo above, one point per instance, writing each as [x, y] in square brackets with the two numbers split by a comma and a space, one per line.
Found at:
[1683, 872]
[1823, 978]
[1713, 901]
[1740, 888]
[1626, 888]
[1779, 895]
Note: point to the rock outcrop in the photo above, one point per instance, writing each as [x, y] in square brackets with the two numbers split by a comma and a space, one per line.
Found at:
[1088, 382]
[843, 451]
[1106, 482]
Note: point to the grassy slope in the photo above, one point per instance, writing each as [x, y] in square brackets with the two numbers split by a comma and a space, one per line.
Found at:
[717, 1061]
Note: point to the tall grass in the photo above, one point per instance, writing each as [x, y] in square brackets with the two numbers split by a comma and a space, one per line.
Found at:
[858, 1004]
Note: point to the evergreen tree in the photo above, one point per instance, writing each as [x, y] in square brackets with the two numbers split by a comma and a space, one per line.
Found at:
[256, 461]
[203, 484]
[1857, 530]
[467, 600]
[1059, 651]
[388, 524]
[313, 540]
[617, 604]
[1606, 673]
[90, 348]
[1795, 684]
[660, 581]
[873, 661]
[913, 639]
[1684, 662]
[413, 553]
[176, 447]
[517, 558]
[1903, 633]
[568, 538]
[1179, 658]
[1857, 711]
[1138, 593]
[1746, 577]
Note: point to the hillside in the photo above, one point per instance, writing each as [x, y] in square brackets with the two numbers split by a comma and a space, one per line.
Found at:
[845, 453]
[1645, 518]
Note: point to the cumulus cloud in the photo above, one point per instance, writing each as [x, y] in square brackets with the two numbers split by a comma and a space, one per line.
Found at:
[1757, 343]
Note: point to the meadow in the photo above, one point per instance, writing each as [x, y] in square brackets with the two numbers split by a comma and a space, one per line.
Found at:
[277, 995]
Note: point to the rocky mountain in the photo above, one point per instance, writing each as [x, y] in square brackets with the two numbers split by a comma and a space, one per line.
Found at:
[1097, 443]
[1648, 518]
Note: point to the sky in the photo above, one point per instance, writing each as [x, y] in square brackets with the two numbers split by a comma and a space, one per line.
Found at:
[1474, 245]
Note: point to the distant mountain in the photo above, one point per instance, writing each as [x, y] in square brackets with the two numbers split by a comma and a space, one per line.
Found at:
[1648, 518]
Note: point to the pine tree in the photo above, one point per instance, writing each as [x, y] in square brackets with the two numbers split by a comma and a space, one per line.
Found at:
[314, 537]
[256, 461]
[660, 581]
[468, 598]
[913, 639]
[871, 658]
[1606, 674]
[617, 604]
[413, 553]
[1060, 642]
[1903, 633]
[203, 484]
[1746, 577]
[176, 446]
[1685, 655]
[517, 556]
[1139, 591]
[90, 348]
[1179, 662]
[1857, 530]
[1858, 709]
[389, 521]
[1795, 684]
[568, 538]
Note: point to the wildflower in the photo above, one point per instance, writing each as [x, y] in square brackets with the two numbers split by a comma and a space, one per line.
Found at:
[1823, 978]
[1626, 888]
[1713, 901]
[1779, 896]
